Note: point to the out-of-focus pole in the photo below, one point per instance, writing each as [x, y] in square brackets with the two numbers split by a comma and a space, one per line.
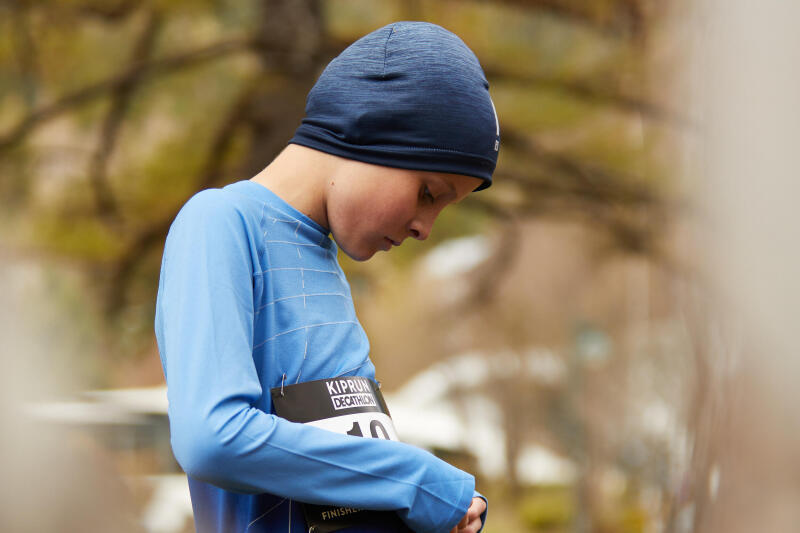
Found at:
[745, 71]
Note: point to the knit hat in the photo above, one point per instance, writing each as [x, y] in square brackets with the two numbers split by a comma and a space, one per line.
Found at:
[409, 95]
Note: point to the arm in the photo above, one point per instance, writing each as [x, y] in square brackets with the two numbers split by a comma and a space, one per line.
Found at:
[204, 324]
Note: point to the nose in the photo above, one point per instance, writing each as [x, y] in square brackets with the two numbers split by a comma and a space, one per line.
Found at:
[420, 228]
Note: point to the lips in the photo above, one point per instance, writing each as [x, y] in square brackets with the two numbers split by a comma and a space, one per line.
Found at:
[391, 242]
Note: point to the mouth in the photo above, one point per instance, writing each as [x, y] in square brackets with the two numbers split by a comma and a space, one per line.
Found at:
[391, 242]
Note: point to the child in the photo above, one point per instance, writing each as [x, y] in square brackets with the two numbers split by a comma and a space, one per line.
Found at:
[251, 297]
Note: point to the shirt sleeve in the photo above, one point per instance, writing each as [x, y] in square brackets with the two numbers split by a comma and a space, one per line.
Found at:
[204, 328]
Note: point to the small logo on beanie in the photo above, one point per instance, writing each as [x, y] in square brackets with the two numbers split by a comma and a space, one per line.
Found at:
[497, 125]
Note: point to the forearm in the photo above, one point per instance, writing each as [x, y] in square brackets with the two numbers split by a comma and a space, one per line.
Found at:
[253, 451]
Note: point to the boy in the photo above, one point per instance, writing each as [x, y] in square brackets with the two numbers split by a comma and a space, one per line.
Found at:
[251, 297]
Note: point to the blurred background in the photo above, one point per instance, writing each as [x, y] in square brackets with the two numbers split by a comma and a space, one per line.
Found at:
[605, 338]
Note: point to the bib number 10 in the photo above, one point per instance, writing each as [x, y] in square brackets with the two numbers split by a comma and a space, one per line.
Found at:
[376, 430]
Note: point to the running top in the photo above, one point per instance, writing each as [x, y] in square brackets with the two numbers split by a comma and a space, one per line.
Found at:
[251, 295]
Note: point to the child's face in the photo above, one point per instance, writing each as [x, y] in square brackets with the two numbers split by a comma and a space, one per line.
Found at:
[371, 207]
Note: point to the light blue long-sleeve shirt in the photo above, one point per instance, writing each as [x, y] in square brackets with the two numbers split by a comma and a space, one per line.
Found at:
[251, 295]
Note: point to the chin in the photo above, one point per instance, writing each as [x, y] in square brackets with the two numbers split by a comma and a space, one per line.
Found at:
[358, 256]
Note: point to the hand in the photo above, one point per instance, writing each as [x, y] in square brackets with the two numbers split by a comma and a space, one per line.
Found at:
[471, 523]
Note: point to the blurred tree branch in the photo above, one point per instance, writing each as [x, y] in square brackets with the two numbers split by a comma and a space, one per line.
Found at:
[630, 211]
[298, 59]
[120, 100]
[108, 11]
[26, 52]
[625, 18]
[154, 233]
[574, 178]
[140, 71]
[588, 91]
[502, 260]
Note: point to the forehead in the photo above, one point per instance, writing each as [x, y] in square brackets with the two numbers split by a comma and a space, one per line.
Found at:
[455, 185]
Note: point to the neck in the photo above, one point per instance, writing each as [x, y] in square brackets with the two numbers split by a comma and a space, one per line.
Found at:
[298, 175]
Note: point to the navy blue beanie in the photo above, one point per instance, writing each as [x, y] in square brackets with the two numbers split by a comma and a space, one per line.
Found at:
[410, 95]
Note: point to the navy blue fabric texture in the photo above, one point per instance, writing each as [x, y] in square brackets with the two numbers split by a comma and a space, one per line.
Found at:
[409, 95]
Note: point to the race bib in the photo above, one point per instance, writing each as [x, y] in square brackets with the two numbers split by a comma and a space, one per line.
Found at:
[348, 405]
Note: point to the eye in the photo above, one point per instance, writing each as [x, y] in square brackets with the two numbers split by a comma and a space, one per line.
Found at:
[426, 195]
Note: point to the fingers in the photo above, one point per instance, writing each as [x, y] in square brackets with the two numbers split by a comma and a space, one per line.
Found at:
[471, 523]
[476, 509]
[460, 527]
[472, 527]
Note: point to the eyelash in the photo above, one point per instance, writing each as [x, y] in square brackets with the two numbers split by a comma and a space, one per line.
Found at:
[426, 194]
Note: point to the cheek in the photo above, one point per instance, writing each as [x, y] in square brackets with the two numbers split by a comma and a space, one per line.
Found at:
[354, 232]
[397, 209]
[350, 218]
[371, 213]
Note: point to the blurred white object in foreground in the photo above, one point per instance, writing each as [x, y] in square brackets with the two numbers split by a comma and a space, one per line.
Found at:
[746, 78]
